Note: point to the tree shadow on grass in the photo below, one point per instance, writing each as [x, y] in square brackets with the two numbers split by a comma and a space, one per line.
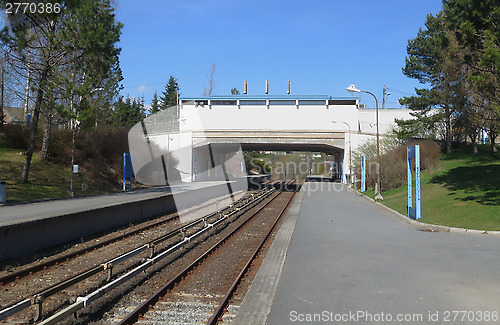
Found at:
[479, 183]
[484, 156]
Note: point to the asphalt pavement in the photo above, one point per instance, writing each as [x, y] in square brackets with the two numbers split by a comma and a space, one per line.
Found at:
[353, 262]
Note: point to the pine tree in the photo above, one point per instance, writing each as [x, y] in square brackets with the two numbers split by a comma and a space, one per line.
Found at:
[129, 111]
[169, 104]
[169, 95]
[476, 27]
[458, 57]
[155, 104]
[425, 62]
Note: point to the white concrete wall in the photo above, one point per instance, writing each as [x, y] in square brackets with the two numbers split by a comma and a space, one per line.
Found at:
[306, 117]
[288, 117]
[367, 119]
[180, 145]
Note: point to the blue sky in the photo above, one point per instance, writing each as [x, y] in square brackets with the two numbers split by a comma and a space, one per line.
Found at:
[320, 46]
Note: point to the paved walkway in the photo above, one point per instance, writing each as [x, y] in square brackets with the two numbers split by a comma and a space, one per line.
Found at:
[350, 261]
[20, 213]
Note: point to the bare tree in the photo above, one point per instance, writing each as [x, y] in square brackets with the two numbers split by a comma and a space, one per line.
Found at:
[211, 83]
[11, 88]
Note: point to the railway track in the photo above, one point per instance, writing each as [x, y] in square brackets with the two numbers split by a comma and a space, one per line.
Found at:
[202, 291]
[72, 285]
[112, 268]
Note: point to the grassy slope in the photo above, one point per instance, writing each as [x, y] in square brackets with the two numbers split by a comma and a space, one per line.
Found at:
[463, 191]
[47, 180]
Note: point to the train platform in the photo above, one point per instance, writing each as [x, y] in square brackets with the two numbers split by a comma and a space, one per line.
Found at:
[27, 212]
[25, 228]
[340, 258]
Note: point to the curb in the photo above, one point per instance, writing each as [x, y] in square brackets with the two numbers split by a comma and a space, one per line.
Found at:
[427, 226]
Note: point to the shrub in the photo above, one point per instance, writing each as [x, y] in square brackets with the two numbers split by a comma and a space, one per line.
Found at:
[393, 164]
[16, 136]
[99, 153]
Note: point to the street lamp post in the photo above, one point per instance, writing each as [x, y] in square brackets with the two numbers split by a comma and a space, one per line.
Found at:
[168, 150]
[73, 127]
[74, 124]
[353, 89]
[350, 149]
[71, 189]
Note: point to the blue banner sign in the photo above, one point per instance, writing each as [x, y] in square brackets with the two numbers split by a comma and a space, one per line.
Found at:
[128, 173]
[413, 152]
[363, 174]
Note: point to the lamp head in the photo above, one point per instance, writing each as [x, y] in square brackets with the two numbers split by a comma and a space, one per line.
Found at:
[353, 89]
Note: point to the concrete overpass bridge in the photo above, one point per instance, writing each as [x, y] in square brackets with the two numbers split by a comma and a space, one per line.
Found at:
[240, 122]
[278, 140]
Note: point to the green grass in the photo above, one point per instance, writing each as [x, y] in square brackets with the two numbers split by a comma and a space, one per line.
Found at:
[463, 191]
[46, 180]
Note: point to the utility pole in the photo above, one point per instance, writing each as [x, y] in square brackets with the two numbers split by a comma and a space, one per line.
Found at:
[384, 94]
[177, 108]
[177, 89]
[383, 98]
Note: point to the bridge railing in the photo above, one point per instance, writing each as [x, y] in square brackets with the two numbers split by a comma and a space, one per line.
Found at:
[166, 121]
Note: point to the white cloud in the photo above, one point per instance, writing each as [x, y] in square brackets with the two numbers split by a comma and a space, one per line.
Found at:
[143, 89]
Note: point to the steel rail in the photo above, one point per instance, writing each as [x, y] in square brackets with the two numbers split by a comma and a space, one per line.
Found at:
[35, 268]
[82, 302]
[225, 300]
[143, 308]
[38, 297]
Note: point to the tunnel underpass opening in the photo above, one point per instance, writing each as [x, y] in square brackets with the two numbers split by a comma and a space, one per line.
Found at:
[310, 162]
